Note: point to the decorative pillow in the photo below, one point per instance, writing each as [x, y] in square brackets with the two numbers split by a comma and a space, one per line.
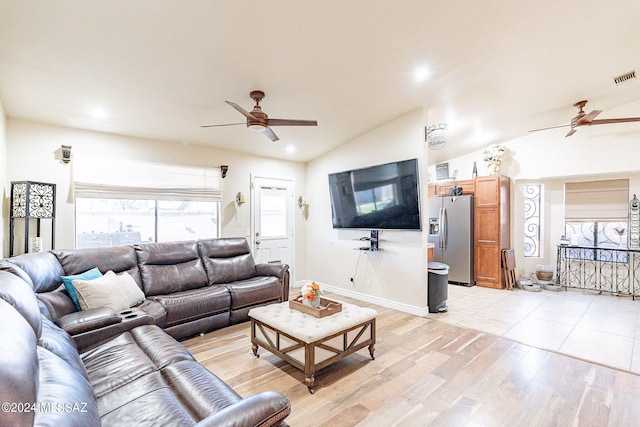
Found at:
[129, 286]
[104, 291]
[94, 273]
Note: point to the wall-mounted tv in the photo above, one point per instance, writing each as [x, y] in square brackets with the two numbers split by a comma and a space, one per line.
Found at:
[384, 197]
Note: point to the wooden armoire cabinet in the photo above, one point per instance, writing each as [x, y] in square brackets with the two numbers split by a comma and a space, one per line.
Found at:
[491, 216]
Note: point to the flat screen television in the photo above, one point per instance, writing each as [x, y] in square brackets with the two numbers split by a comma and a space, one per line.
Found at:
[384, 197]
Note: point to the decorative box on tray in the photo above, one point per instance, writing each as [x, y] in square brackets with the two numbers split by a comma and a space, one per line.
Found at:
[327, 307]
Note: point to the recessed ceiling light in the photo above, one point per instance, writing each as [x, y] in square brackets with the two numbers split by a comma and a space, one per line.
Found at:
[290, 148]
[98, 112]
[421, 73]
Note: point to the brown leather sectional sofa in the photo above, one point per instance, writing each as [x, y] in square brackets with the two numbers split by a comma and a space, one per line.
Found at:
[125, 368]
[190, 287]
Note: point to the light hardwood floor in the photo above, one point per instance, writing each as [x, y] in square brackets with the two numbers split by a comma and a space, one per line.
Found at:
[430, 373]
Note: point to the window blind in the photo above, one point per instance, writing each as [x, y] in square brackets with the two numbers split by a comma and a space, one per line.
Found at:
[597, 200]
[131, 179]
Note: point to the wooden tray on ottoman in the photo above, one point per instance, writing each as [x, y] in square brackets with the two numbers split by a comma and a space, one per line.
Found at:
[327, 307]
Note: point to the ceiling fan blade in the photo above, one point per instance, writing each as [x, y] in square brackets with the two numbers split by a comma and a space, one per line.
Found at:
[270, 134]
[587, 119]
[226, 124]
[571, 132]
[552, 127]
[609, 121]
[289, 122]
[242, 111]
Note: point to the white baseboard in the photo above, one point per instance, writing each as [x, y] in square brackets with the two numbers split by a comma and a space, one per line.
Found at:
[416, 311]
[300, 283]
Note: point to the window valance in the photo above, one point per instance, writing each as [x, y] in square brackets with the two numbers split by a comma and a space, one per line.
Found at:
[597, 200]
[118, 178]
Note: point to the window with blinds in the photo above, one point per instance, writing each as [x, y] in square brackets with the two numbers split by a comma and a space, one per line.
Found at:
[596, 214]
[120, 202]
[596, 201]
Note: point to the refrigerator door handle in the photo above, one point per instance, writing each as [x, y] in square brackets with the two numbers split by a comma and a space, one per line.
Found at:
[440, 229]
[445, 229]
[442, 242]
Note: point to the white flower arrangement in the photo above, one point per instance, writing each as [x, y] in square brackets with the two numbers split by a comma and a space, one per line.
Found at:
[493, 154]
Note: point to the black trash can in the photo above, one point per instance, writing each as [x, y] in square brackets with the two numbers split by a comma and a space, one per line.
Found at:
[438, 290]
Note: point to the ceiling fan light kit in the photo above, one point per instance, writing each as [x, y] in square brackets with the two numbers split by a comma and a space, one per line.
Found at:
[258, 121]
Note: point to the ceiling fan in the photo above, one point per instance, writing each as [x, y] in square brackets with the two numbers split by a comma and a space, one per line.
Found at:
[258, 121]
[583, 119]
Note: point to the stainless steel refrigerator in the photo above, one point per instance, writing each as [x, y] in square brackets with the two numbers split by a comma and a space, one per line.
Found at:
[451, 231]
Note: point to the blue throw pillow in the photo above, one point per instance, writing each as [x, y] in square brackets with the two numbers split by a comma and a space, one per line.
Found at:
[94, 273]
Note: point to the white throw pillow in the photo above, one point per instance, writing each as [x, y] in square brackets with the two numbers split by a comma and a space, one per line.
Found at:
[118, 291]
[131, 289]
[101, 292]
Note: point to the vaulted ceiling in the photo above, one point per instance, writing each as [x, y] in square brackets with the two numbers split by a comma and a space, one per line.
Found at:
[160, 69]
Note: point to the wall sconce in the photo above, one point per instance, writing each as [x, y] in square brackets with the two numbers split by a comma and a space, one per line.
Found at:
[302, 202]
[224, 169]
[240, 198]
[66, 153]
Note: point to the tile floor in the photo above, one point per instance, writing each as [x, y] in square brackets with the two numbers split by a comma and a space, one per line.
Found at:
[601, 328]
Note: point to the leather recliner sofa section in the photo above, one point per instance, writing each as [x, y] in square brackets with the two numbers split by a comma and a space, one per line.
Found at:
[190, 287]
[132, 374]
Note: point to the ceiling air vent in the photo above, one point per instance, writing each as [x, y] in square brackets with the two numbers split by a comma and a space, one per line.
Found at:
[624, 77]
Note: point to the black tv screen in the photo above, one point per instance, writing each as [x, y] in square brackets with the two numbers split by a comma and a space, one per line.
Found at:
[377, 197]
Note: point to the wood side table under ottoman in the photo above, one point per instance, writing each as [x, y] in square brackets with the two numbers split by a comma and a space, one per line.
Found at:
[309, 343]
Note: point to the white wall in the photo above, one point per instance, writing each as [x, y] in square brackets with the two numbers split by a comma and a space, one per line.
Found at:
[592, 153]
[394, 276]
[3, 176]
[34, 154]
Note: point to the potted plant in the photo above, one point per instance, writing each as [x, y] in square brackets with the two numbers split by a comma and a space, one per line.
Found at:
[493, 157]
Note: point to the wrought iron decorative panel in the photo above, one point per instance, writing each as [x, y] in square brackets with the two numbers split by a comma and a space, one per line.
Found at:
[612, 270]
[41, 197]
[532, 215]
[19, 200]
[634, 223]
[33, 200]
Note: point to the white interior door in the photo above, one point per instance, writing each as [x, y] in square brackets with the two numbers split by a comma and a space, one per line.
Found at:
[273, 221]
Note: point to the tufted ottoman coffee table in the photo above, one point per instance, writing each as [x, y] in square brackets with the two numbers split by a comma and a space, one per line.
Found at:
[309, 343]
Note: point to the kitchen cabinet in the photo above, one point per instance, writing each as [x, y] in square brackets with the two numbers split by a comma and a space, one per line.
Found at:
[468, 187]
[491, 228]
